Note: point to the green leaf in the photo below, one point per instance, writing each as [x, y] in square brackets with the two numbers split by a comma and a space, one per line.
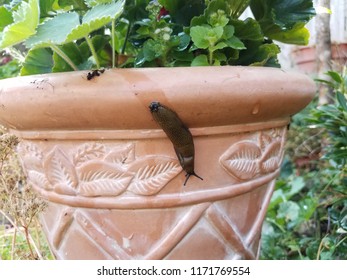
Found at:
[103, 50]
[76, 4]
[335, 76]
[265, 55]
[183, 57]
[342, 100]
[287, 13]
[288, 210]
[297, 185]
[198, 20]
[92, 3]
[6, 18]
[220, 57]
[172, 5]
[235, 43]
[229, 31]
[284, 16]
[66, 27]
[10, 69]
[308, 207]
[217, 5]
[237, 7]
[96, 18]
[219, 46]
[37, 61]
[74, 53]
[184, 41]
[25, 21]
[298, 35]
[46, 7]
[200, 60]
[151, 50]
[206, 36]
[278, 197]
[182, 11]
[248, 29]
[54, 31]
[198, 34]
[283, 13]
[216, 13]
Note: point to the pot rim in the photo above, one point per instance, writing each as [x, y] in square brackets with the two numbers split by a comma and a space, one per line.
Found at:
[118, 99]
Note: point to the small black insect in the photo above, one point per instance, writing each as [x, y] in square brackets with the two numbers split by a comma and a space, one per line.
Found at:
[94, 73]
[178, 134]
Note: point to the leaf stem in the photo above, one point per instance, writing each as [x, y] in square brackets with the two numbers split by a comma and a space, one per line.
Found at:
[113, 44]
[92, 49]
[61, 53]
[210, 56]
[126, 37]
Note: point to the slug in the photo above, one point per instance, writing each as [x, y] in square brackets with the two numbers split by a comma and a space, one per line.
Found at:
[178, 134]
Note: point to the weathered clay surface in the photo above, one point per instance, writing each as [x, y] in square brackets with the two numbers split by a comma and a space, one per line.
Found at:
[113, 179]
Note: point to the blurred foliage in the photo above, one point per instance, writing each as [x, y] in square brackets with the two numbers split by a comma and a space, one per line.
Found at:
[307, 215]
[8, 67]
[87, 34]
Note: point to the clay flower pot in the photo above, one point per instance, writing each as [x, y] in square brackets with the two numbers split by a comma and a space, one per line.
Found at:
[111, 176]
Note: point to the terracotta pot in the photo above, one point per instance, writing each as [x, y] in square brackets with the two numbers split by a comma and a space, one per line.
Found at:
[92, 149]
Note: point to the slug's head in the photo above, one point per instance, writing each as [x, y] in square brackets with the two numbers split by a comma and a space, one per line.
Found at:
[154, 106]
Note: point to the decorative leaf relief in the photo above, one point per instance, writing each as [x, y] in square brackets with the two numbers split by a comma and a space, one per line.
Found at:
[91, 171]
[152, 173]
[278, 132]
[39, 179]
[123, 154]
[272, 158]
[242, 160]
[32, 163]
[30, 149]
[89, 152]
[31, 156]
[60, 172]
[102, 179]
[264, 140]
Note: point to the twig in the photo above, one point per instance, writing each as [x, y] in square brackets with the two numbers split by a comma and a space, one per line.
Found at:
[320, 247]
[27, 234]
[13, 243]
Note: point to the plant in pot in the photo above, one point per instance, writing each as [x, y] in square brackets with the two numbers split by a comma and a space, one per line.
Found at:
[92, 148]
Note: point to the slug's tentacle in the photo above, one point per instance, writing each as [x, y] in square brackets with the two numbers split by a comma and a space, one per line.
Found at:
[188, 176]
[178, 134]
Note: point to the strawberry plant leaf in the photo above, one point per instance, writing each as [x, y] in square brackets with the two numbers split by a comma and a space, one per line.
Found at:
[6, 18]
[96, 18]
[54, 31]
[37, 61]
[25, 21]
[73, 51]
[66, 27]
[46, 7]
[92, 3]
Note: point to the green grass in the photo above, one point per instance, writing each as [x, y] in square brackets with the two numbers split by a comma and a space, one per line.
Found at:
[14, 244]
